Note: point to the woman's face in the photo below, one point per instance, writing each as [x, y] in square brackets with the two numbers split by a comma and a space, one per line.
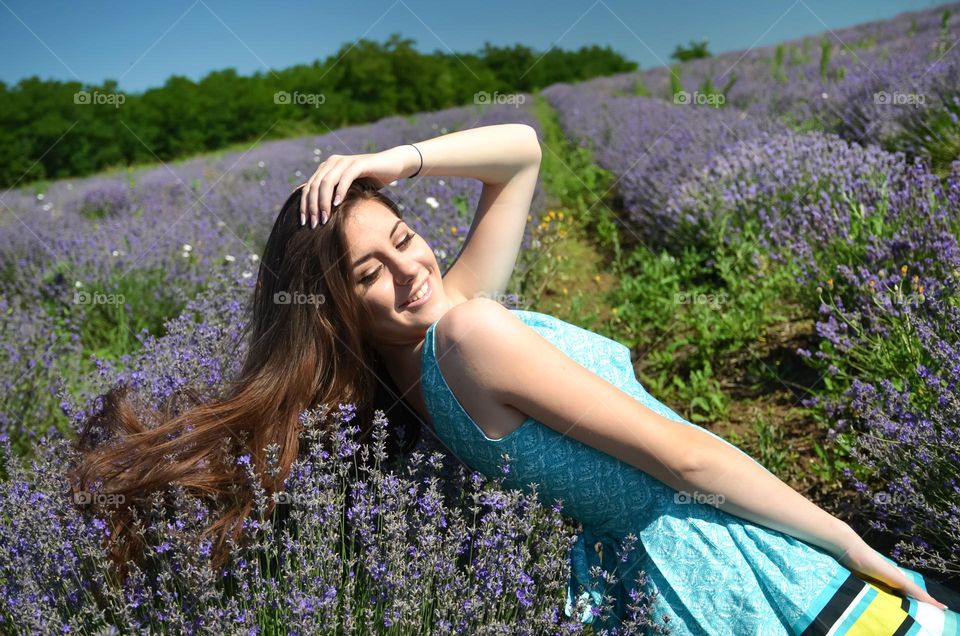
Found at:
[389, 264]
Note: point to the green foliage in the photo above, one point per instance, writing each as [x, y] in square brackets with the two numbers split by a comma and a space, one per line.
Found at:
[112, 329]
[570, 174]
[694, 314]
[826, 47]
[776, 66]
[694, 51]
[361, 82]
[676, 85]
[944, 42]
[800, 55]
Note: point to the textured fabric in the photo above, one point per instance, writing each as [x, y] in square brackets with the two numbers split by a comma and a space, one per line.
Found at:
[711, 572]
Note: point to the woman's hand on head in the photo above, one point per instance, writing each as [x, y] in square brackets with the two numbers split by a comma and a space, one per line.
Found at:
[327, 186]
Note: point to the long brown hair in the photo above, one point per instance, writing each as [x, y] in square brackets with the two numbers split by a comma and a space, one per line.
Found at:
[301, 355]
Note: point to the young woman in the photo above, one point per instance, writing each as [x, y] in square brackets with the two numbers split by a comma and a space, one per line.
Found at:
[728, 548]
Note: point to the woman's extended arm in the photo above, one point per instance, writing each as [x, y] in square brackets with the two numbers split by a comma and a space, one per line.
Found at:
[488, 341]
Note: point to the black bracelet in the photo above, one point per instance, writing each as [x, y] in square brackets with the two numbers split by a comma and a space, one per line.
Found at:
[421, 162]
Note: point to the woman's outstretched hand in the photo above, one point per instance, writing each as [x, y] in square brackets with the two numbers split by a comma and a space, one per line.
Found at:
[334, 176]
[866, 563]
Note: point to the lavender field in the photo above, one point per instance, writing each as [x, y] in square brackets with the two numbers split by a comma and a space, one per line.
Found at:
[786, 223]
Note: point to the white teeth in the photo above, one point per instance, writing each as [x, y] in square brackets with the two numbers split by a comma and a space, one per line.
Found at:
[419, 294]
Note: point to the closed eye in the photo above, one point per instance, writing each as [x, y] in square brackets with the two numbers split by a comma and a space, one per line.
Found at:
[370, 278]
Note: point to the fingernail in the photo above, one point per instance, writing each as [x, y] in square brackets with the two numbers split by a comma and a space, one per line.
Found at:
[303, 218]
[336, 200]
[313, 222]
[325, 217]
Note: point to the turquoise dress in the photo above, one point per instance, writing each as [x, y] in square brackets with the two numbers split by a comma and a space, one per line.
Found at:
[710, 572]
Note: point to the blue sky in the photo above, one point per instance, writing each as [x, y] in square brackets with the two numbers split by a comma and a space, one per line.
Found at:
[140, 44]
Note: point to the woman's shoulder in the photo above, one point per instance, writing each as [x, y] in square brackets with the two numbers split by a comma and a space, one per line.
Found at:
[467, 320]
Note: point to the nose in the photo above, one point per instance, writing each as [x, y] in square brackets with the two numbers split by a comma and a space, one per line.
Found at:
[407, 272]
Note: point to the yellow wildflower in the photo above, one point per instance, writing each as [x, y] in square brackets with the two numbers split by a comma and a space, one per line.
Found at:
[830, 283]
[453, 229]
[903, 270]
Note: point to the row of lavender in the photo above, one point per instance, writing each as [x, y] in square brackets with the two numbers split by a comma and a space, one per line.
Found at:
[200, 224]
[871, 235]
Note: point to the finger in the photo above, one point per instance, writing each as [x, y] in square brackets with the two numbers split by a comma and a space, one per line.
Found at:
[313, 204]
[346, 178]
[304, 188]
[308, 201]
[327, 185]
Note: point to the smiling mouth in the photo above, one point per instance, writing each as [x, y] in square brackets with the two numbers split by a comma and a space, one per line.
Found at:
[426, 290]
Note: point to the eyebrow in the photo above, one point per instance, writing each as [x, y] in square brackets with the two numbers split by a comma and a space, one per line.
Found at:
[363, 259]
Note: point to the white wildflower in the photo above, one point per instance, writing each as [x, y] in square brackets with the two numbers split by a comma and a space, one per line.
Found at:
[78, 284]
[247, 274]
[187, 247]
[229, 258]
[260, 164]
[432, 202]
[254, 258]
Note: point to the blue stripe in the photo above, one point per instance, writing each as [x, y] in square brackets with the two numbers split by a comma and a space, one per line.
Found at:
[914, 629]
[818, 603]
[950, 627]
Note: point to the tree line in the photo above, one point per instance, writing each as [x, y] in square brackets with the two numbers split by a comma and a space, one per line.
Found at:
[51, 129]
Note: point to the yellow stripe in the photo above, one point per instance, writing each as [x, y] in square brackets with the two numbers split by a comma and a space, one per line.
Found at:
[882, 616]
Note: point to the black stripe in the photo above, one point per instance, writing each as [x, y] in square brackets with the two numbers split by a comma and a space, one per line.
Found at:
[905, 604]
[835, 607]
[905, 626]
